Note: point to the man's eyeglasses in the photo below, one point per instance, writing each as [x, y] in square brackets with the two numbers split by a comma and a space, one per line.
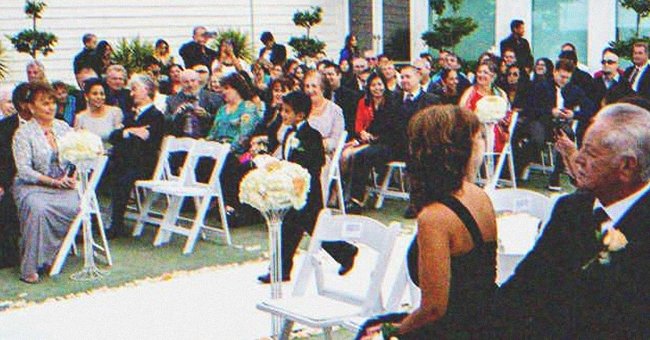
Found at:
[371, 59]
[608, 62]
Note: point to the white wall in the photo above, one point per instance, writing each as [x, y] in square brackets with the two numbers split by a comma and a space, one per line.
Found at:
[172, 20]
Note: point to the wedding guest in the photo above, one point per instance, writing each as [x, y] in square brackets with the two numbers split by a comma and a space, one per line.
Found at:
[101, 58]
[271, 124]
[387, 69]
[98, 118]
[84, 57]
[324, 116]
[574, 284]
[342, 96]
[453, 258]
[9, 225]
[65, 103]
[543, 70]
[447, 89]
[35, 71]
[135, 148]
[272, 52]
[163, 55]
[376, 131]
[228, 61]
[311, 156]
[195, 51]
[116, 92]
[7, 108]
[349, 50]
[45, 195]
[175, 85]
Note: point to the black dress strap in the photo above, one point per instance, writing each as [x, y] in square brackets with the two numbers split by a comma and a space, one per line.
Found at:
[468, 221]
[466, 217]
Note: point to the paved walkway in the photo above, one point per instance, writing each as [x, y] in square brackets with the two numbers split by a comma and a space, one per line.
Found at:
[216, 303]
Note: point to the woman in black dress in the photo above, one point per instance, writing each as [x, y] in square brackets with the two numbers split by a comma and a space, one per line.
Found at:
[455, 266]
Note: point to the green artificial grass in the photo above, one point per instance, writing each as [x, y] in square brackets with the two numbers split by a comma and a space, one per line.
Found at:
[137, 258]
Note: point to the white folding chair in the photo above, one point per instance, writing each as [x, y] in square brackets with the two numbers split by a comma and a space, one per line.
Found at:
[89, 206]
[494, 176]
[334, 175]
[201, 193]
[386, 190]
[162, 175]
[517, 235]
[333, 304]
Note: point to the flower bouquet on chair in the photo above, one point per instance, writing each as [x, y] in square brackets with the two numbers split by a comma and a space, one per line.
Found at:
[81, 148]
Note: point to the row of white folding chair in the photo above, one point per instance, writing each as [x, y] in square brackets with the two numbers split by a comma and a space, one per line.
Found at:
[89, 206]
[330, 306]
[187, 186]
[334, 175]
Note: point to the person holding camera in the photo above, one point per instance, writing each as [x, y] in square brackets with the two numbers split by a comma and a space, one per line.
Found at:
[550, 112]
[190, 112]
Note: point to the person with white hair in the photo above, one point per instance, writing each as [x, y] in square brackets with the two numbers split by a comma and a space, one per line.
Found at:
[35, 71]
[135, 148]
[586, 278]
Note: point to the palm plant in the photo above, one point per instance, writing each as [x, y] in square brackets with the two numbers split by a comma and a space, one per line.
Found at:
[132, 54]
[240, 43]
[4, 68]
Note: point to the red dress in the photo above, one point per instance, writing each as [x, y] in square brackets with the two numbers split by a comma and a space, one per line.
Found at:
[501, 128]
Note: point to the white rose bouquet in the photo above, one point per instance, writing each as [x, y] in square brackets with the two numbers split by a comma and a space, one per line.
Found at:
[275, 185]
[491, 109]
[81, 146]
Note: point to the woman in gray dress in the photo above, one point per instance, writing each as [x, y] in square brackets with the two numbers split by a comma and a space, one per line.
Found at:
[46, 198]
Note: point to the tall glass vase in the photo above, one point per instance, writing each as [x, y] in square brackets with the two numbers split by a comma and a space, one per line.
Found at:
[274, 223]
[90, 271]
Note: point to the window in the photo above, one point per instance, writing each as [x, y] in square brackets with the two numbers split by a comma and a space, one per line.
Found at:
[626, 23]
[556, 23]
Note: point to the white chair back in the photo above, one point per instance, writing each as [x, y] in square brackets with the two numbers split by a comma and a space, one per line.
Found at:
[522, 200]
[171, 145]
[504, 156]
[334, 174]
[360, 230]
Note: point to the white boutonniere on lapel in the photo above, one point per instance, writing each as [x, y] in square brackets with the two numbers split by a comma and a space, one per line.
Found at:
[294, 144]
[613, 240]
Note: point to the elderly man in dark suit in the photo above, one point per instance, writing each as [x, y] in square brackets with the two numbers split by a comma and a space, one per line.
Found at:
[573, 285]
[638, 74]
[135, 148]
[310, 154]
[9, 229]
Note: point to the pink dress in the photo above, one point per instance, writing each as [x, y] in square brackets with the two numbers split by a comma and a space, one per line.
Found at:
[500, 131]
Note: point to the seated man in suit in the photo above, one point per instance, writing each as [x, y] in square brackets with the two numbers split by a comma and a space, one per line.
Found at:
[586, 278]
[553, 106]
[310, 154]
[609, 86]
[135, 148]
[638, 74]
[9, 228]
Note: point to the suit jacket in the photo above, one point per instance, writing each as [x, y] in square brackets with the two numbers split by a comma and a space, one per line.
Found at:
[405, 112]
[278, 54]
[617, 91]
[310, 154]
[521, 48]
[132, 152]
[543, 99]
[8, 127]
[644, 82]
[347, 99]
[194, 54]
[551, 295]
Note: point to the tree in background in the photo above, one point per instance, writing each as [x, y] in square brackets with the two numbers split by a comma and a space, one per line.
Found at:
[4, 69]
[33, 41]
[623, 47]
[241, 45]
[306, 46]
[448, 31]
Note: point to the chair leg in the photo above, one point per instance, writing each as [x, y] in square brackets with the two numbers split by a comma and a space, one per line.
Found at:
[146, 203]
[384, 187]
[511, 166]
[65, 246]
[224, 219]
[171, 215]
[100, 224]
[339, 187]
[286, 329]
[198, 223]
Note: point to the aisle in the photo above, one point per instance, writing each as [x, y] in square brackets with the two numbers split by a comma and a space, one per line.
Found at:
[213, 303]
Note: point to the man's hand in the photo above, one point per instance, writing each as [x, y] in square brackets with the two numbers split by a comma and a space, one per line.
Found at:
[366, 136]
[566, 114]
[556, 112]
[2, 192]
[141, 132]
[200, 111]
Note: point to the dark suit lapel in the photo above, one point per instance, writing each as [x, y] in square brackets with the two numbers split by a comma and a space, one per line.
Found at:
[637, 216]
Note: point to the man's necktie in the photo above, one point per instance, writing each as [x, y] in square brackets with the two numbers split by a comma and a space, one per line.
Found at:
[409, 98]
[633, 76]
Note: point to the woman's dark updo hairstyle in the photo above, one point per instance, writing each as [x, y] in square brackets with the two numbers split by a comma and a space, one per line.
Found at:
[91, 82]
[440, 147]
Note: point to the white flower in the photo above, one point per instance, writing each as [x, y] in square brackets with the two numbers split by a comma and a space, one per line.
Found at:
[293, 142]
[80, 146]
[490, 109]
[614, 240]
[274, 185]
